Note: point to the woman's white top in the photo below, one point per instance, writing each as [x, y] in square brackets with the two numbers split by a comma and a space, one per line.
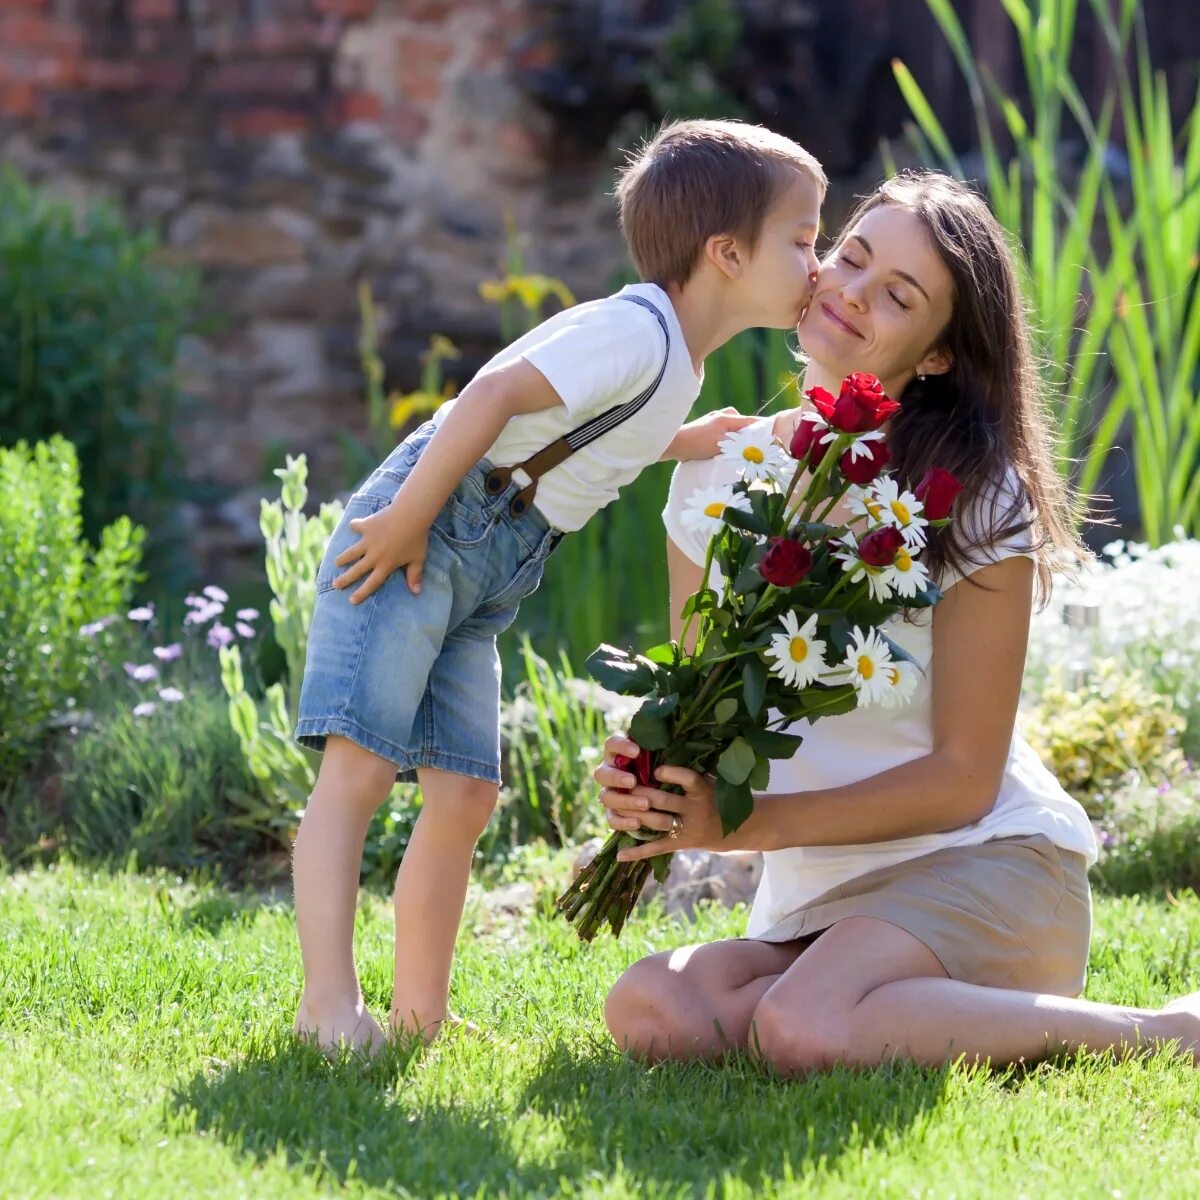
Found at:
[844, 749]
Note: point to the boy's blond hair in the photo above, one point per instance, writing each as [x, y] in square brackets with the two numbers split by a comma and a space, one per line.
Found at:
[695, 179]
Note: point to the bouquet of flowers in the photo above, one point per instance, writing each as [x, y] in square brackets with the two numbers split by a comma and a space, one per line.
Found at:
[796, 630]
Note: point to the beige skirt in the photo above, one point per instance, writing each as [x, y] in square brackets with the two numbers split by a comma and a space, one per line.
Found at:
[1014, 912]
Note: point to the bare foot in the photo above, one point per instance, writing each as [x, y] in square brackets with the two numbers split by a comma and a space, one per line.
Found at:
[448, 1026]
[1181, 1019]
[351, 1028]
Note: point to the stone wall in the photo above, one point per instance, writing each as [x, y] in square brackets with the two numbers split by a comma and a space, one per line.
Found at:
[292, 148]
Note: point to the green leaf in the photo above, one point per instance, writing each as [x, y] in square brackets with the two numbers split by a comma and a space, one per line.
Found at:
[754, 685]
[751, 522]
[773, 744]
[760, 777]
[734, 802]
[736, 763]
[698, 602]
[660, 706]
[619, 672]
[650, 733]
[725, 710]
[666, 653]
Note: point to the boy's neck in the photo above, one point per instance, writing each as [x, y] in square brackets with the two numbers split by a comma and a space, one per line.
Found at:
[703, 316]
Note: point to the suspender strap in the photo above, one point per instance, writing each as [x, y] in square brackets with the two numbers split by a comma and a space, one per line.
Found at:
[536, 465]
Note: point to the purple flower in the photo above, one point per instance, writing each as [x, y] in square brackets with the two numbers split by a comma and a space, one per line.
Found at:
[145, 613]
[207, 610]
[215, 593]
[89, 631]
[168, 653]
[172, 695]
[247, 614]
[143, 673]
[144, 709]
[194, 601]
[219, 635]
[244, 630]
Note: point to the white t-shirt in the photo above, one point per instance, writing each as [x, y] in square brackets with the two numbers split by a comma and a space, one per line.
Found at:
[596, 356]
[867, 741]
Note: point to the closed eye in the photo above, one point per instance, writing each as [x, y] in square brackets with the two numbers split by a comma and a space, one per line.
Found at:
[897, 299]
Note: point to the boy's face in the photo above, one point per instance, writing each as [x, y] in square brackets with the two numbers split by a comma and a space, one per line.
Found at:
[778, 279]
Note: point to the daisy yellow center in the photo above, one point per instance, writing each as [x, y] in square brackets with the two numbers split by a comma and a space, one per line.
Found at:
[752, 454]
[798, 648]
[866, 666]
[903, 560]
[715, 509]
[894, 676]
[874, 509]
[901, 512]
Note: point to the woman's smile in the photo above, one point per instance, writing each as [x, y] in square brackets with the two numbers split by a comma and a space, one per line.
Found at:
[838, 320]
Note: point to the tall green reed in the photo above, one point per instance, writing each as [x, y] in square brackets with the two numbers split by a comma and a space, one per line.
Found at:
[1110, 279]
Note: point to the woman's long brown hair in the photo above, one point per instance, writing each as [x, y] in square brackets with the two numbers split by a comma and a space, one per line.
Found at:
[988, 412]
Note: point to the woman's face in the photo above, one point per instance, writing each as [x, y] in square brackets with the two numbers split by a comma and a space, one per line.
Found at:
[881, 302]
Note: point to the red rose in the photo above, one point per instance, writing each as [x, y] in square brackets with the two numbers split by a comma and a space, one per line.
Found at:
[805, 444]
[937, 492]
[786, 562]
[641, 767]
[823, 401]
[861, 405]
[878, 549]
[863, 470]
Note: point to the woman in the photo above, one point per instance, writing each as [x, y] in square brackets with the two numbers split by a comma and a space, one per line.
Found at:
[925, 889]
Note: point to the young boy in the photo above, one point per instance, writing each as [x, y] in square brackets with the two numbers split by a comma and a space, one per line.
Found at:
[403, 674]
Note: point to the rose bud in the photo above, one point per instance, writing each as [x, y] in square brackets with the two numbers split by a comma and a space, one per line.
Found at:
[805, 444]
[641, 767]
[861, 405]
[864, 469]
[937, 491]
[878, 549]
[786, 562]
[822, 400]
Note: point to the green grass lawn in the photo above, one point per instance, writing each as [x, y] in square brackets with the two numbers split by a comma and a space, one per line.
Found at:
[144, 1053]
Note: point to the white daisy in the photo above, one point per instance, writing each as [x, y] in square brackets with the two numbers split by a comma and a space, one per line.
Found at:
[879, 578]
[799, 656]
[756, 453]
[902, 677]
[705, 509]
[906, 575]
[857, 448]
[862, 503]
[901, 509]
[868, 659]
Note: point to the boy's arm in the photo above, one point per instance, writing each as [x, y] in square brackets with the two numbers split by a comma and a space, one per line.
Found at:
[398, 536]
[701, 438]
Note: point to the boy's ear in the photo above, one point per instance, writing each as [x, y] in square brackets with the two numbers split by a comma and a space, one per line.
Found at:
[937, 362]
[723, 252]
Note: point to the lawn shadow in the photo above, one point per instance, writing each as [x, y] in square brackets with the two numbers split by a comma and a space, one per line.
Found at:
[354, 1120]
[736, 1122]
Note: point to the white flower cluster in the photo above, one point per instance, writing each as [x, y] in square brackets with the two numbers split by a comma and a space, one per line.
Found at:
[1148, 617]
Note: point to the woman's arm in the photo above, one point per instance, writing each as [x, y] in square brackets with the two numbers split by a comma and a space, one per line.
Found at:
[684, 578]
[979, 641]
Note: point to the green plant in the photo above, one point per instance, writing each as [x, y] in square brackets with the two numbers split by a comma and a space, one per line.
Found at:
[388, 835]
[167, 788]
[554, 729]
[53, 587]
[1138, 342]
[284, 770]
[1091, 739]
[90, 325]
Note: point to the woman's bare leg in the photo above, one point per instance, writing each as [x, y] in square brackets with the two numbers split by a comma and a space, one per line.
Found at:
[867, 992]
[696, 1002]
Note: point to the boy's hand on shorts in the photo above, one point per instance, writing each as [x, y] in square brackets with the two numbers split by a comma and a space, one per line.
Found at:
[387, 541]
[702, 438]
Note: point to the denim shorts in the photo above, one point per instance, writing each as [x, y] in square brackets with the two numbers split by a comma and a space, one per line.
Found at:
[416, 679]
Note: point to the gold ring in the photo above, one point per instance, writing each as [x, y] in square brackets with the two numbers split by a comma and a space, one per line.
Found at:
[676, 826]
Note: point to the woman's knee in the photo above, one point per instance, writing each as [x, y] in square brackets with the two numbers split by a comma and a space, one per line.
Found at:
[464, 803]
[636, 1006]
[796, 1039]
